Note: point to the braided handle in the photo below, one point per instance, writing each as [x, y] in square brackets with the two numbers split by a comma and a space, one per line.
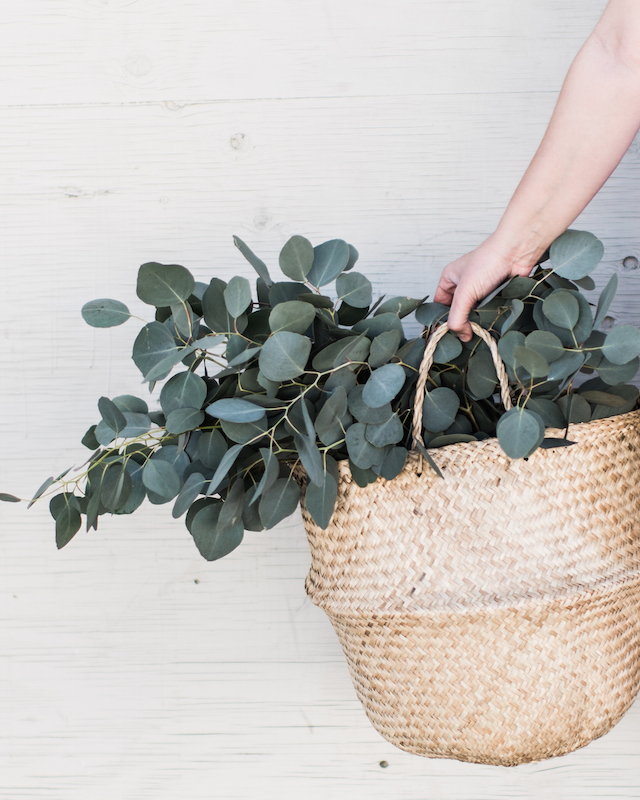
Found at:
[427, 362]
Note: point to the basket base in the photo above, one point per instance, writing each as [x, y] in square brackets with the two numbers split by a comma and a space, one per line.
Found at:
[521, 696]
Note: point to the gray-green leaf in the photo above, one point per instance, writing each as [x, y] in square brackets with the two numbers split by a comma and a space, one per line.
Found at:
[355, 289]
[237, 296]
[574, 254]
[320, 500]
[329, 260]
[259, 265]
[105, 313]
[292, 315]
[622, 344]
[236, 409]
[212, 540]
[296, 258]
[164, 284]
[284, 356]
[280, 503]
[383, 385]
[440, 408]
[561, 308]
[520, 432]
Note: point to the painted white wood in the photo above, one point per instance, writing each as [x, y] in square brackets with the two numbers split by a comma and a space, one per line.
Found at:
[133, 131]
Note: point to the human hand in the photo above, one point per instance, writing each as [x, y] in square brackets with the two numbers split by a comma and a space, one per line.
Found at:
[470, 278]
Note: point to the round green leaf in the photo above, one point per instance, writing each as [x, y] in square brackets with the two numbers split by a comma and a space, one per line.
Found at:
[507, 344]
[451, 438]
[617, 373]
[116, 487]
[392, 464]
[384, 347]
[105, 313]
[518, 287]
[580, 409]
[361, 452]
[430, 314]
[234, 409]
[448, 348]
[535, 364]
[244, 432]
[622, 344]
[568, 364]
[153, 345]
[259, 265]
[561, 308]
[184, 419]
[59, 502]
[517, 307]
[545, 343]
[574, 254]
[164, 284]
[378, 324]
[383, 385]
[184, 390]
[280, 502]
[89, 439]
[548, 411]
[329, 260]
[237, 296]
[111, 414]
[9, 498]
[292, 315]
[126, 402]
[332, 411]
[211, 448]
[364, 412]
[603, 398]
[440, 408]
[481, 375]
[213, 540]
[161, 478]
[310, 457]
[520, 432]
[284, 356]
[320, 500]
[355, 289]
[193, 486]
[350, 350]
[389, 432]
[362, 477]
[68, 523]
[402, 306]
[296, 258]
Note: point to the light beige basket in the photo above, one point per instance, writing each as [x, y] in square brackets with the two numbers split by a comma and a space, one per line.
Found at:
[493, 616]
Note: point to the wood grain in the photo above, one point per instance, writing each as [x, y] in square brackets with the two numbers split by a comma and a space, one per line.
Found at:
[147, 130]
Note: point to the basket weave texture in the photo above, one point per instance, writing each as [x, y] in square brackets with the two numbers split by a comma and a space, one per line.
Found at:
[491, 616]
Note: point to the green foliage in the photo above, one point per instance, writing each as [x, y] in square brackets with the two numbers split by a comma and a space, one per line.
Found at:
[272, 390]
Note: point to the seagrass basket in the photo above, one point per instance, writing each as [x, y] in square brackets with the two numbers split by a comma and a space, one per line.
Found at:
[491, 616]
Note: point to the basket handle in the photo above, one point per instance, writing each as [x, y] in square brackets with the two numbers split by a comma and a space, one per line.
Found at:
[427, 362]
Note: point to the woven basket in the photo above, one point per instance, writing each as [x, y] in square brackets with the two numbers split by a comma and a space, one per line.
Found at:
[493, 616]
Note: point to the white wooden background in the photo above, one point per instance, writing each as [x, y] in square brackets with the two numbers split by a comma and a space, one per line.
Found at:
[137, 130]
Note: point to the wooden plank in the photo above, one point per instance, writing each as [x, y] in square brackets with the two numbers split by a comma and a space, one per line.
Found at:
[119, 51]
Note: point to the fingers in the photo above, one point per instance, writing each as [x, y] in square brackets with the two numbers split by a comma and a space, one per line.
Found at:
[461, 307]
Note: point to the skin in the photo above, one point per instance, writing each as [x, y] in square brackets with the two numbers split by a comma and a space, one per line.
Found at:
[595, 120]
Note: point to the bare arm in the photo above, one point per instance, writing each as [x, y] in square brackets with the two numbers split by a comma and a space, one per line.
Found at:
[594, 122]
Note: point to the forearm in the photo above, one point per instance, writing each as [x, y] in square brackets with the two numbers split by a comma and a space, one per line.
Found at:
[594, 122]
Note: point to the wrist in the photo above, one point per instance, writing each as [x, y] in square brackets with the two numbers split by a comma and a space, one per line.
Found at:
[519, 251]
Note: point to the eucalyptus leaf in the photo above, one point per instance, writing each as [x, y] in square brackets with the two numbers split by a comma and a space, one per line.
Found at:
[606, 298]
[361, 452]
[383, 385]
[520, 432]
[231, 511]
[184, 390]
[105, 313]
[604, 399]
[561, 308]
[392, 464]
[384, 347]
[193, 486]
[517, 307]
[574, 254]
[296, 258]
[355, 289]
[237, 296]
[545, 343]
[535, 364]
[320, 500]
[161, 478]
[89, 439]
[153, 345]
[447, 349]
[280, 503]
[378, 324]
[164, 284]
[451, 438]
[362, 477]
[481, 375]
[226, 462]
[310, 457]
[622, 344]
[332, 411]
[548, 411]
[212, 540]
[432, 314]
[211, 448]
[566, 365]
[43, 488]
[259, 265]
[269, 476]
[111, 414]
[244, 432]
[617, 373]
[9, 498]
[235, 409]
[284, 356]
[364, 412]
[292, 315]
[134, 405]
[184, 419]
[402, 306]
[580, 410]
[68, 523]
[329, 260]
[116, 487]
[440, 408]
[386, 433]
